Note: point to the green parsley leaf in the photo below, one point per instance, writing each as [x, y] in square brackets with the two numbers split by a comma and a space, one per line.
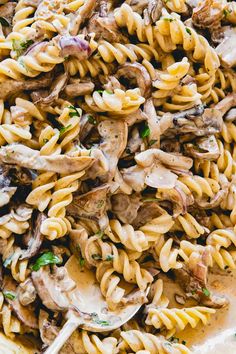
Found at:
[193, 292]
[168, 19]
[188, 30]
[109, 92]
[145, 132]
[98, 321]
[45, 259]
[151, 142]
[20, 46]
[226, 12]
[74, 112]
[45, 141]
[96, 257]
[82, 262]
[64, 129]
[92, 120]
[109, 257]
[149, 200]
[4, 22]
[9, 295]
[100, 91]
[206, 292]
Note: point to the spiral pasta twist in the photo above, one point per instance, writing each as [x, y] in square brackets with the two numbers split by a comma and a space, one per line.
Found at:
[177, 319]
[149, 343]
[156, 227]
[41, 193]
[126, 17]
[171, 28]
[9, 323]
[189, 225]
[228, 132]
[48, 139]
[123, 52]
[222, 238]
[120, 102]
[225, 162]
[17, 266]
[123, 263]
[55, 227]
[222, 257]
[10, 133]
[109, 285]
[178, 6]
[166, 255]
[14, 223]
[41, 59]
[169, 80]
[125, 234]
[200, 186]
[184, 97]
[92, 66]
[92, 344]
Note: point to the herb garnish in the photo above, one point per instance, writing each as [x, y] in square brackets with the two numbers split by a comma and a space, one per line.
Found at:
[45, 259]
[9, 295]
[64, 129]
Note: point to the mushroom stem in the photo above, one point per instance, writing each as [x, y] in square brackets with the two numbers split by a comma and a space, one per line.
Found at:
[67, 330]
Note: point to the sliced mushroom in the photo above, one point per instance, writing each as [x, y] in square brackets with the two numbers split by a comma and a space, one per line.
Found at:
[26, 292]
[79, 88]
[153, 11]
[227, 103]
[226, 49]
[125, 207]
[147, 212]
[231, 114]
[135, 177]
[137, 5]
[197, 121]
[10, 87]
[137, 72]
[33, 238]
[114, 134]
[54, 288]
[91, 205]
[106, 28]
[203, 148]
[134, 142]
[48, 330]
[26, 157]
[57, 86]
[176, 161]
[7, 11]
[25, 314]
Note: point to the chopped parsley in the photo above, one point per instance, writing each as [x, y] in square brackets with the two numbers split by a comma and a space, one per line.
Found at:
[188, 30]
[92, 120]
[20, 46]
[9, 295]
[151, 142]
[206, 292]
[109, 257]
[45, 141]
[168, 19]
[74, 112]
[226, 12]
[81, 262]
[109, 92]
[64, 129]
[45, 259]
[100, 91]
[98, 321]
[4, 22]
[145, 131]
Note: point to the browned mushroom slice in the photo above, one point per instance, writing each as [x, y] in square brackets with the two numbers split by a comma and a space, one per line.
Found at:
[106, 28]
[24, 313]
[114, 134]
[24, 156]
[135, 176]
[33, 238]
[153, 11]
[203, 148]
[11, 87]
[54, 288]
[137, 5]
[226, 49]
[125, 207]
[57, 86]
[91, 205]
[160, 177]
[26, 292]
[175, 161]
[7, 11]
[137, 72]
[79, 88]
[147, 212]
[207, 14]
[227, 103]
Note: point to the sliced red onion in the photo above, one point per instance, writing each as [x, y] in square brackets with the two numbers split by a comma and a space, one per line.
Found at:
[75, 46]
